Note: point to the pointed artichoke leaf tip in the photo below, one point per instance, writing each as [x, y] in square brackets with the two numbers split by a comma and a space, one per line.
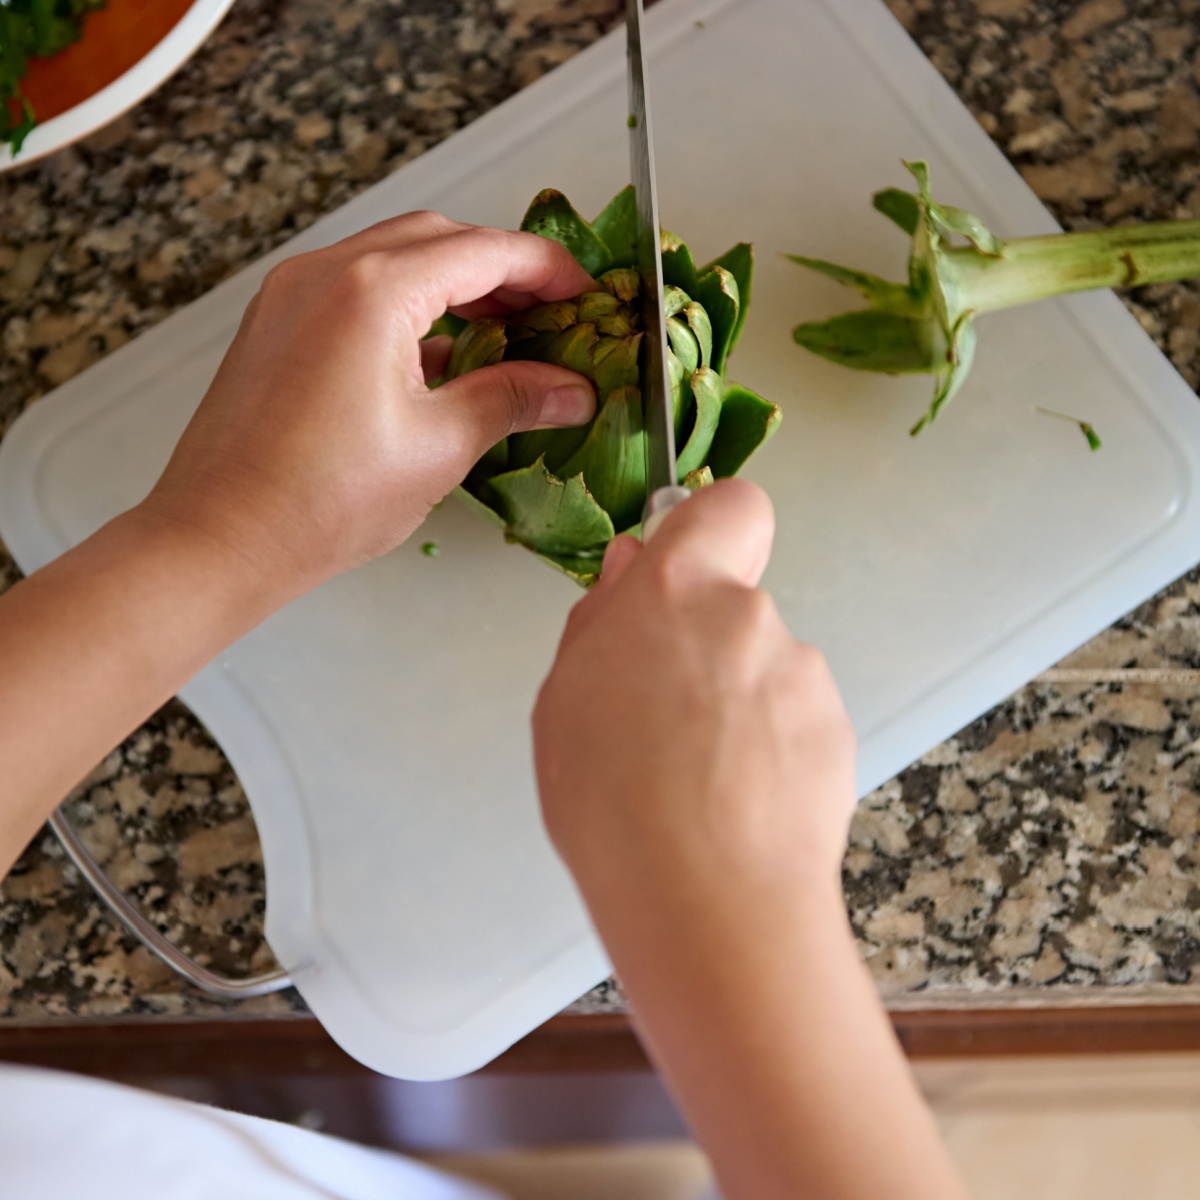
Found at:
[882, 293]
[900, 207]
[552, 216]
[918, 168]
[946, 219]
[953, 374]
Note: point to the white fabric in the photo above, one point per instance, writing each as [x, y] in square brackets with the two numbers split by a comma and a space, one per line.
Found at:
[63, 1137]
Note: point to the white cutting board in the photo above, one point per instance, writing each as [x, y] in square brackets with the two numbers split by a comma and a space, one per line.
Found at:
[380, 724]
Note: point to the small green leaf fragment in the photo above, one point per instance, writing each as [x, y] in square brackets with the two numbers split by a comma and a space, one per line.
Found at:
[430, 549]
[632, 121]
[1086, 428]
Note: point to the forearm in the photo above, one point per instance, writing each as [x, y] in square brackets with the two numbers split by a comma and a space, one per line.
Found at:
[93, 643]
[757, 1008]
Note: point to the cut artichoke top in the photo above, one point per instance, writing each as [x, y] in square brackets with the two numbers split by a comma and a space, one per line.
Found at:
[565, 493]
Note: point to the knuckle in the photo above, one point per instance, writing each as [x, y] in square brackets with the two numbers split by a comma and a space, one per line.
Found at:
[759, 611]
[429, 223]
[812, 665]
[513, 402]
[668, 574]
[361, 275]
[283, 276]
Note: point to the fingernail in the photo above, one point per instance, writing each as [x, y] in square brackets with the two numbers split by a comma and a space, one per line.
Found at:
[570, 405]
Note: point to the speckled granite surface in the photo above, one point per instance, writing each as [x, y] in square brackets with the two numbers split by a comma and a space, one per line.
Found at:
[1048, 853]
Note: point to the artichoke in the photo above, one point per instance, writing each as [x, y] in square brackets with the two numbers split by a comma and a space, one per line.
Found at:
[564, 493]
[928, 324]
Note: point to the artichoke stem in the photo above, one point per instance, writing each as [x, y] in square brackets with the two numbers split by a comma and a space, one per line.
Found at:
[1035, 268]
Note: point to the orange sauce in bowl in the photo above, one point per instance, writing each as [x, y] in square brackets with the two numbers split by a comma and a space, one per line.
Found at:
[114, 39]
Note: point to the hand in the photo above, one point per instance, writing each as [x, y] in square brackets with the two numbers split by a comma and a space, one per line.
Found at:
[683, 735]
[696, 769]
[320, 444]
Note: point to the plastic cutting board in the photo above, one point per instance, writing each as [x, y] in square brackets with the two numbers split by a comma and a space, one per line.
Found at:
[380, 724]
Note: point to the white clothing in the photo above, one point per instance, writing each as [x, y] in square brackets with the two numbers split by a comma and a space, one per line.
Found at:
[64, 1137]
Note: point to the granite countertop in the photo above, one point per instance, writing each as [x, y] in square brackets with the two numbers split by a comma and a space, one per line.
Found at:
[1048, 853]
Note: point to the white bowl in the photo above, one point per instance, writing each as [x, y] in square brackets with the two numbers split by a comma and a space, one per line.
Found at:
[125, 91]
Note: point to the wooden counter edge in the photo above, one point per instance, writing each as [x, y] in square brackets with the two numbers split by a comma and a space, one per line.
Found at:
[232, 1047]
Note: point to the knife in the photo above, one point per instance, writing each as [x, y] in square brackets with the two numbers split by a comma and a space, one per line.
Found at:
[658, 416]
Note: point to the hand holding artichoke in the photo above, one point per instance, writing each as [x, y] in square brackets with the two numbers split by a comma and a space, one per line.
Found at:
[565, 493]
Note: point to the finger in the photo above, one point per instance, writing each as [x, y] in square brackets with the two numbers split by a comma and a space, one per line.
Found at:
[723, 530]
[467, 265]
[619, 555]
[501, 303]
[480, 408]
[621, 552]
[435, 356]
[398, 232]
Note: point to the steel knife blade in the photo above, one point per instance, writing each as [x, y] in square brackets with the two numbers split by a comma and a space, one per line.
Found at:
[662, 492]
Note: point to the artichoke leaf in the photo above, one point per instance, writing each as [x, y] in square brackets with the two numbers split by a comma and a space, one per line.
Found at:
[613, 457]
[701, 326]
[616, 226]
[882, 293]
[551, 216]
[717, 291]
[739, 262]
[707, 390]
[481, 344]
[900, 207]
[955, 371]
[747, 421]
[551, 515]
[683, 343]
[679, 268]
[871, 341]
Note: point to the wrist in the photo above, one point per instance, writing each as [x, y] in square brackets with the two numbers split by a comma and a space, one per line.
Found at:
[188, 594]
[242, 583]
[720, 910]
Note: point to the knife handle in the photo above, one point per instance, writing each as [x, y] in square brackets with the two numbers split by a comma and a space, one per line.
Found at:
[658, 505]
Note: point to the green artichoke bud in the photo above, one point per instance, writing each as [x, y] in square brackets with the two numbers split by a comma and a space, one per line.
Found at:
[928, 324]
[565, 493]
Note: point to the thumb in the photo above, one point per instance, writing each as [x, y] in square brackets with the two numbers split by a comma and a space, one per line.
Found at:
[725, 529]
[484, 406]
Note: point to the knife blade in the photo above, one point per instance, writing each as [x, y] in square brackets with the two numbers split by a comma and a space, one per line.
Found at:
[658, 417]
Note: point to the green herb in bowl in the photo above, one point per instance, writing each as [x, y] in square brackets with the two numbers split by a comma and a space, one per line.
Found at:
[32, 29]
